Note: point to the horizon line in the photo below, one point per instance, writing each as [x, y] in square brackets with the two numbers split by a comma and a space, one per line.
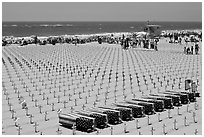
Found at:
[95, 21]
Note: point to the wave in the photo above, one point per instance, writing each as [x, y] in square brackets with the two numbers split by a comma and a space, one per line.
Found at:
[14, 25]
[42, 25]
[54, 25]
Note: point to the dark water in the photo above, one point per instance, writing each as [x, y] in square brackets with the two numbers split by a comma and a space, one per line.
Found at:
[61, 28]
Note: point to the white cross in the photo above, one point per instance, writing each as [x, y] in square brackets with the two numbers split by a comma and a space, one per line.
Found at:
[19, 129]
[175, 125]
[164, 129]
[36, 126]
[152, 130]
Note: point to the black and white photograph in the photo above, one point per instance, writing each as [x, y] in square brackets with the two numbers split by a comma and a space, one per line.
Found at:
[101, 68]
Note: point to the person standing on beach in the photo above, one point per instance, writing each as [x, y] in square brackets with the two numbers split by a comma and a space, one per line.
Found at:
[186, 40]
[180, 40]
[185, 50]
[188, 50]
[196, 48]
[192, 49]
[36, 40]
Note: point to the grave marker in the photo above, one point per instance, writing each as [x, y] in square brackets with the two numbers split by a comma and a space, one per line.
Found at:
[31, 119]
[164, 129]
[175, 124]
[19, 129]
[36, 127]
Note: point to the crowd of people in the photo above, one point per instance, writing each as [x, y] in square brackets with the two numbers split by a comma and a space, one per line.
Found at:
[193, 49]
[126, 40]
[188, 39]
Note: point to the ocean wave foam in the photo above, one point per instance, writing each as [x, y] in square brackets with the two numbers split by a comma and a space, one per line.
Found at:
[115, 34]
[13, 25]
[54, 25]
[41, 25]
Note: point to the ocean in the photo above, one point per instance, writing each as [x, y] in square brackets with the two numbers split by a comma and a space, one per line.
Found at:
[23, 29]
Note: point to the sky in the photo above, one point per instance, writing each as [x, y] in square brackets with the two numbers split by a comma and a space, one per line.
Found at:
[101, 11]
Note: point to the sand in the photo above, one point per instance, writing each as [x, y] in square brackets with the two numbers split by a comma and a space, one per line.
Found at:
[94, 59]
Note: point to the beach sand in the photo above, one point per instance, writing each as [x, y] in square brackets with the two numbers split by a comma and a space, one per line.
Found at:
[95, 59]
